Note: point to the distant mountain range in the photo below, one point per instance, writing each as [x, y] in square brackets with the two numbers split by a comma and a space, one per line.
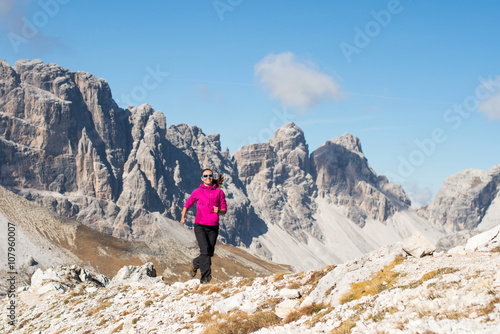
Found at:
[65, 144]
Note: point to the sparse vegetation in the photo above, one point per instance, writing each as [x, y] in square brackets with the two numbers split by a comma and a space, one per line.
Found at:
[278, 277]
[118, 329]
[320, 315]
[381, 315]
[269, 304]
[246, 281]
[304, 311]
[346, 326]
[206, 316]
[99, 308]
[208, 288]
[241, 323]
[317, 275]
[488, 308]
[382, 280]
[148, 303]
[428, 276]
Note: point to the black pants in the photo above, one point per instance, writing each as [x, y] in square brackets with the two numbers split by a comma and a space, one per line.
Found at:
[206, 237]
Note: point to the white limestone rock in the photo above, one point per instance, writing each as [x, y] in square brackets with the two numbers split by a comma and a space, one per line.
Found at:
[284, 308]
[289, 293]
[418, 246]
[464, 198]
[136, 275]
[485, 241]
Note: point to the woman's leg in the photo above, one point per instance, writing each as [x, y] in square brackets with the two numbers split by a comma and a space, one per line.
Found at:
[206, 236]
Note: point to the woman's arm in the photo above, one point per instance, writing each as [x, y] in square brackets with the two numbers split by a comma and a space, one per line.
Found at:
[183, 216]
[191, 200]
[222, 204]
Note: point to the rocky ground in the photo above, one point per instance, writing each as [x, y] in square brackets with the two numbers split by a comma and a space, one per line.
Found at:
[385, 291]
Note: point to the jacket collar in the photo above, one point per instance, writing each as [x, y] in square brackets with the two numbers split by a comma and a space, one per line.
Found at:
[212, 187]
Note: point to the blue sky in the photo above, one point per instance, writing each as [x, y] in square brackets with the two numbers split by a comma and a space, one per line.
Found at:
[417, 81]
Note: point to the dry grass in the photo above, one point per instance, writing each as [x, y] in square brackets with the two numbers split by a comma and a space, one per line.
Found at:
[294, 285]
[246, 282]
[317, 275]
[345, 327]
[381, 315]
[304, 311]
[269, 304]
[384, 279]
[428, 276]
[241, 323]
[208, 289]
[206, 316]
[453, 315]
[278, 277]
[488, 308]
[118, 328]
[99, 308]
[495, 250]
[320, 315]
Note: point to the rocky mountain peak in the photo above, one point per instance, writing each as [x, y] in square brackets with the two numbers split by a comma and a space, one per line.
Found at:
[464, 198]
[290, 145]
[344, 176]
[349, 142]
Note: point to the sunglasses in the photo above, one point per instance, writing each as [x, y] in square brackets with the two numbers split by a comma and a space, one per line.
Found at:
[208, 175]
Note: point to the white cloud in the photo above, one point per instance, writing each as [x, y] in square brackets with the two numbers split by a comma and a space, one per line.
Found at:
[419, 196]
[491, 106]
[294, 83]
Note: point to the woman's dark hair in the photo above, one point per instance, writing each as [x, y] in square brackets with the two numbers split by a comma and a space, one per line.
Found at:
[218, 181]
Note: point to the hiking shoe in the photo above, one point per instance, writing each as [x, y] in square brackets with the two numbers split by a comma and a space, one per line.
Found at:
[192, 271]
[206, 280]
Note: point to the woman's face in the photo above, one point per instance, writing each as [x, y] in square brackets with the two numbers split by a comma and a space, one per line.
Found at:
[207, 177]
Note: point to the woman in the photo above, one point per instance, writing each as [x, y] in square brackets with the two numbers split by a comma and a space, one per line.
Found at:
[211, 202]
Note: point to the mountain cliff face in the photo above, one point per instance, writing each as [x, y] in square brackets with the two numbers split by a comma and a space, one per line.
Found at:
[324, 206]
[466, 199]
[44, 239]
[278, 180]
[344, 177]
[64, 143]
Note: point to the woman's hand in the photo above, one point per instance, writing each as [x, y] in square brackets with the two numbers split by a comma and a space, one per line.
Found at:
[183, 216]
[219, 211]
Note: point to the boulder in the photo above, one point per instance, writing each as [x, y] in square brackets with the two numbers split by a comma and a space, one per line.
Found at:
[284, 308]
[418, 246]
[136, 275]
[484, 241]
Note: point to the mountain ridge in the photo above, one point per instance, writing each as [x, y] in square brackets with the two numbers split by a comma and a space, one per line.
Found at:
[65, 144]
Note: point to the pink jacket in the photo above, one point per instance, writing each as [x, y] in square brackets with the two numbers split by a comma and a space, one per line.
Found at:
[207, 198]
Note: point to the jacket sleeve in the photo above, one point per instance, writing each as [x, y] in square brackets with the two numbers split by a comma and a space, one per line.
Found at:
[222, 199]
[191, 200]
